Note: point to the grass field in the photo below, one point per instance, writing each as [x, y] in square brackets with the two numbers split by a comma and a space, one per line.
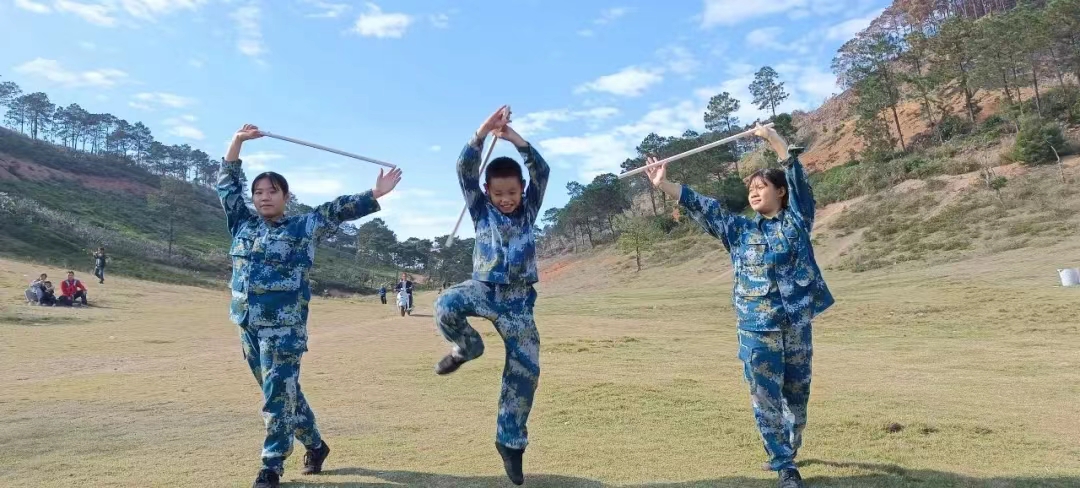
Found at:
[640, 386]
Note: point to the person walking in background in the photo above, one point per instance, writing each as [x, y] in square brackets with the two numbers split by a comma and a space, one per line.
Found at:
[382, 294]
[99, 264]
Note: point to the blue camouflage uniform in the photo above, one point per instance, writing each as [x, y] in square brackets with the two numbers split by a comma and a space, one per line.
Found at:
[270, 296]
[501, 289]
[778, 291]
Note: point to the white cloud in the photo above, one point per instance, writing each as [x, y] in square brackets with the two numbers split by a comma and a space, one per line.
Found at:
[196, 63]
[630, 82]
[735, 12]
[51, 70]
[768, 38]
[315, 185]
[89, 46]
[816, 85]
[182, 127]
[848, 28]
[327, 10]
[247, 24]
[441, 21]
[375, 23]
[610, 15]
[187, 132]
[97, 14]
[257, 161]
[586, 33]
[603, 152]
[679, 60]
[423, 213]
[147, 100]
[435, 148]
[151, 9]
[537, 122]
[31, 6]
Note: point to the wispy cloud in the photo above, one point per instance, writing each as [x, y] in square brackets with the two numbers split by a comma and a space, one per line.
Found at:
[535, 123]
[378, 24]
[440, 21]
[610, 15]
[247, 18]
[31, 6]
[147, 101]
[327, 10]
[51, 70]
[631, 81]
[97, 14]
[183, 127]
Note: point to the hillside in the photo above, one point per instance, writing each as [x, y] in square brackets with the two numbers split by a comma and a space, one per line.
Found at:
[937, 221]
[58, 205]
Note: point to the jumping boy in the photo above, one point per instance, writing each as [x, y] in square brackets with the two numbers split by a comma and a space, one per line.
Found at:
[501, 289]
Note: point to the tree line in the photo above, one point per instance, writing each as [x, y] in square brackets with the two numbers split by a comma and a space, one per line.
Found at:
[73, 127]
[931, 51]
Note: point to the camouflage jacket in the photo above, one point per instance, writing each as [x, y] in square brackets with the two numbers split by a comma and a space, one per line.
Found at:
[505, 249]
[776, 277]
[271, 260]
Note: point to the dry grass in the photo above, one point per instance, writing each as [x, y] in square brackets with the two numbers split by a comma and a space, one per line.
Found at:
[974, 361]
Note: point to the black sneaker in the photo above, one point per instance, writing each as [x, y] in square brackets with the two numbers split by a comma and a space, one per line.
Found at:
[448, 364]
[512, 463]
[789, 478]
[267, 479]
[314, 458]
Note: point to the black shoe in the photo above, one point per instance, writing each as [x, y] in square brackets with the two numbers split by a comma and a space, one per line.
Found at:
[448, 364]
[314, 458]
[267, 479]
[512, 463]
[789, 478]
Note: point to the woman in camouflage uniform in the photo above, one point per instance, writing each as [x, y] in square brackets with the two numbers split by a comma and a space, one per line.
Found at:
[271, 256]
[778, 291]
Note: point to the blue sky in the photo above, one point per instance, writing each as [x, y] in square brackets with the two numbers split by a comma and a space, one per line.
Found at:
[408, 81]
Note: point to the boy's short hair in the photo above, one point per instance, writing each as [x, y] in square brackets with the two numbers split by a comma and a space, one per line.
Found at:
[504, 167]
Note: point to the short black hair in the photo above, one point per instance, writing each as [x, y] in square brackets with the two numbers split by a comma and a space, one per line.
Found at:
[775, 177]
[504, 167]
[276, 180]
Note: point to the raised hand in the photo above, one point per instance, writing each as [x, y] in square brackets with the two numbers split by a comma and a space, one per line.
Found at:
[509, 134]
[386, 182]
[247, 133]
[495, 121]
[657, 174]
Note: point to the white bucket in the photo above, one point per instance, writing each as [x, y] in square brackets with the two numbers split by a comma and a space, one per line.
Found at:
[1069, 276]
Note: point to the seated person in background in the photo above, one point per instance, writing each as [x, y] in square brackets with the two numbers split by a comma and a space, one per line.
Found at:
[72, 289]
[48, 294]
[36, 289]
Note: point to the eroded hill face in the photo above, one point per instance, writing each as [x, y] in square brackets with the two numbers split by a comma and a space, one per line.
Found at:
[831, 128]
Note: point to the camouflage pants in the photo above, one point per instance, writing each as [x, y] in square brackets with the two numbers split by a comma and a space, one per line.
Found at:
[510, 308]
[273, 354]
[776, 365]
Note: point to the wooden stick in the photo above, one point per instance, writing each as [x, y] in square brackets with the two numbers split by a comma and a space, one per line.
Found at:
[695, 150]
[324, 148]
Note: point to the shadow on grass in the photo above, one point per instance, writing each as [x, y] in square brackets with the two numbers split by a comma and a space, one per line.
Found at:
[877, 476]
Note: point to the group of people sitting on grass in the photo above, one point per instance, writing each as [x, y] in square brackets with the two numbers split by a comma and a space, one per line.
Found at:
[41, 292]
